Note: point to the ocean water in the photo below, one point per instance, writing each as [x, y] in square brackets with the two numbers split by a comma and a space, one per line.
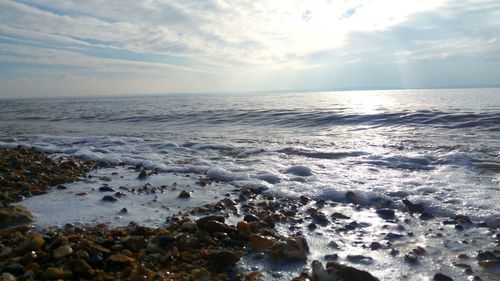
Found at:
[439, 147]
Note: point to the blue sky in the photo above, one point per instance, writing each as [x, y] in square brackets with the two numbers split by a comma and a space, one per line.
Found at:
[51, 47]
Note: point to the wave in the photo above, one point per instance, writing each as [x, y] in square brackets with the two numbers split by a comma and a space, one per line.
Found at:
[290, 118]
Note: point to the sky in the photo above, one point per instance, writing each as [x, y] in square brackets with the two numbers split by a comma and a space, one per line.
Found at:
[94, 47]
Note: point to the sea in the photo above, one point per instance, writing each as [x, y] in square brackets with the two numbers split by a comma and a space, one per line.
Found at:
[438, 147]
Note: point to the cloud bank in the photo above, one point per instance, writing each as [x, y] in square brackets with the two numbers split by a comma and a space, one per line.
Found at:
[107, 47]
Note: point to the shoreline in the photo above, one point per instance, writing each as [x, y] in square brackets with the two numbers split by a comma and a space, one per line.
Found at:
[250, 229]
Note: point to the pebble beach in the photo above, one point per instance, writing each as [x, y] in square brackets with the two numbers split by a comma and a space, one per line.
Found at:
[242, 234]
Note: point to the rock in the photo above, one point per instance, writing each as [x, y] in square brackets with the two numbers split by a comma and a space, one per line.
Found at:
[351, 197]
[375, 246]
[411, 258]
[7, 277]
[14, 215]
[339, 216]
[224, 259]
[462, 219]
[359, 259]
[331, 257]
[93, 248]
[251, 218]
[301, 171]
[189, 226]
[34, 242]
[184, 194]
[393, 236]
[202, 221]
[13, 268]
[386, 213]
[120, 194]
[333, 245]
[414, 207]
[426, 216]
[304, 200]
[486, 255]
[124, 211]
[164, 240]
[338, 272]
[118, 262]
[54, 273]
[312, 226]
[135, 243]
[106, 189]
[61, 187]
[260, 243]
[490, 264]
[293, 248]
[81, 194]
[318, 217]
[62, 251]
[441, 277]
[213, 226]
[142, 175]
[82, 269]
[109, 198]
[201, 274]
[419, 251]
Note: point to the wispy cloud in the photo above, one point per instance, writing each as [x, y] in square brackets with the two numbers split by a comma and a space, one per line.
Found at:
[230, 43]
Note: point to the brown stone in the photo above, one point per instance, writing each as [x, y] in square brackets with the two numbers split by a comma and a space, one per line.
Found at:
[14, 215]
[259, 243]
[119, 262]
[54, 273]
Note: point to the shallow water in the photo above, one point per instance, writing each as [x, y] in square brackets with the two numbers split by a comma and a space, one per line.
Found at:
[440, 147]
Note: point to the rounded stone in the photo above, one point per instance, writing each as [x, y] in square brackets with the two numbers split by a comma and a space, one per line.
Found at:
[62, 252]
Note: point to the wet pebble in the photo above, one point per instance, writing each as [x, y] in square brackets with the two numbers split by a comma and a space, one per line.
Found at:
[441, 277]
[109, 198]
[386, 213]
[359, 259]
[62, 252]
[184, 194]
[7, 277]
[250, 218]
[106, 189]
[54, 273]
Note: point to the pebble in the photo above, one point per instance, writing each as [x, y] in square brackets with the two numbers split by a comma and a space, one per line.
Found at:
[293, 248]
[359, 259]
[106, 189]
[7, 277]
[375, 246]
[62, 251]
[83, 269]
[189, 226]
[393, 236]
[251, 218]
[441, 277]
[386, 213]
[184, 194]
[335, 270]
[259, 243]
[142, 175]
[331, 257]
[339, 216]
[224, 259]
[119, 262]
[216, 226]
[109, 198]
[54, 273]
